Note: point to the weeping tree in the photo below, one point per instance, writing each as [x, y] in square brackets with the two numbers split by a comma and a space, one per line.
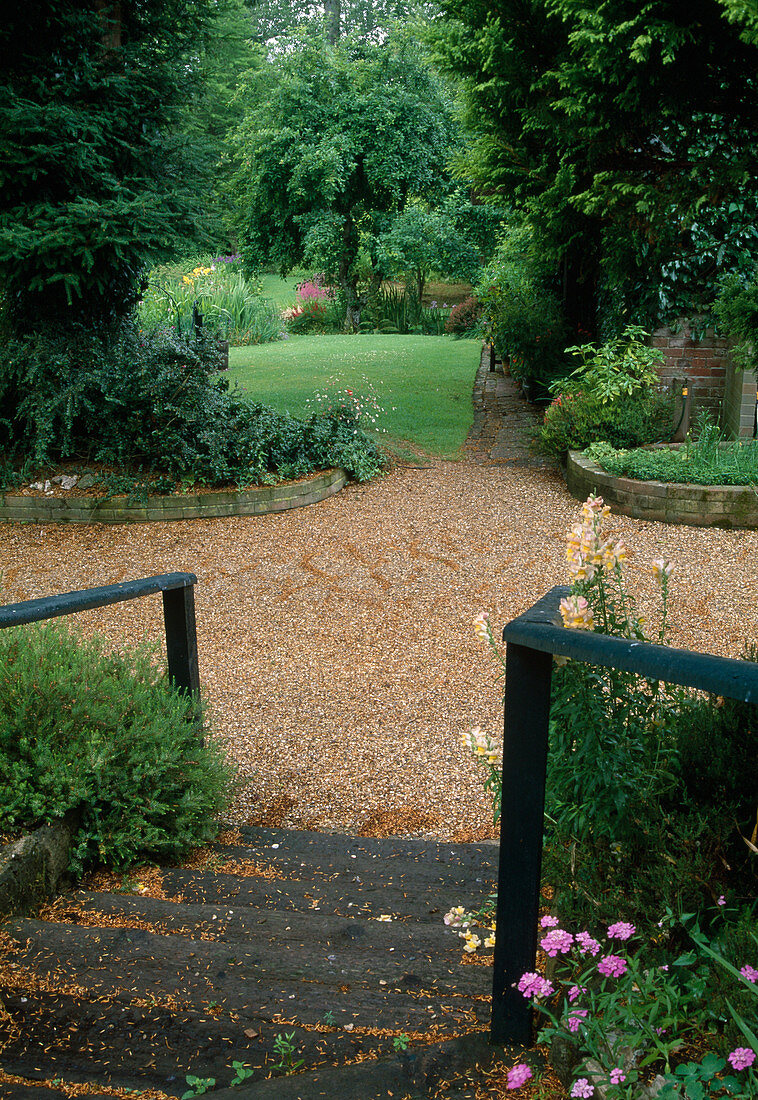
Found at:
[96, 178]
[337, 138]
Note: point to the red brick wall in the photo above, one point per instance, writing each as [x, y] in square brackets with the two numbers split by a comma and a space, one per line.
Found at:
[704, 363]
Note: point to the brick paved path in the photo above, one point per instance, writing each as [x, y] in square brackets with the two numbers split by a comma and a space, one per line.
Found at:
[504, 421]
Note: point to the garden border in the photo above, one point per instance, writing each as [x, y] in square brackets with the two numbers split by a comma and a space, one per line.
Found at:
[666, 502]
[231, 502]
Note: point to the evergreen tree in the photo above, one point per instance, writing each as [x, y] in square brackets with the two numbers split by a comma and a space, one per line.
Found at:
[626, 132]
[95, 178]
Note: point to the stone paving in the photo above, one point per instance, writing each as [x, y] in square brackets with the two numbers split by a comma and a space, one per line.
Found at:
[504, 421]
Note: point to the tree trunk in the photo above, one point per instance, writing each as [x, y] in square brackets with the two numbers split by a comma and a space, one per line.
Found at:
[332, 9]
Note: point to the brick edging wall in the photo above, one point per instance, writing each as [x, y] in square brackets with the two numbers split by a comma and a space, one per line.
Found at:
[667, 502]
[245, 502]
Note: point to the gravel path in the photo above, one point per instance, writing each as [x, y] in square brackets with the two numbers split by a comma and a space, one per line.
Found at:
[335, 642]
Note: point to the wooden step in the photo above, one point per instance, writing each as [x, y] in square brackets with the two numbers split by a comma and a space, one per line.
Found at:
[114, 989]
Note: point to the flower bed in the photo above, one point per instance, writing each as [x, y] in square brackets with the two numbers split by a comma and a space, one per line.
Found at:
[667, 502]
[123, 509]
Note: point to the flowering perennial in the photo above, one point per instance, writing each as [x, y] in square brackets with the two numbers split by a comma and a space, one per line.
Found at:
[518, 1076]
[556, 942]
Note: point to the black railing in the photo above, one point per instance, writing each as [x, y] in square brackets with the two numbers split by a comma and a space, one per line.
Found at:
[178, 617]
[531, 641]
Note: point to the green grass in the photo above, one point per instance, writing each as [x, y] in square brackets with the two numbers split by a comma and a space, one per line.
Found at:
[423, 382]
[279, 290]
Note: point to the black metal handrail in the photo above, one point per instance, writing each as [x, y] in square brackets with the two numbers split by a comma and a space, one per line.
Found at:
[531, 641]
[178, 617]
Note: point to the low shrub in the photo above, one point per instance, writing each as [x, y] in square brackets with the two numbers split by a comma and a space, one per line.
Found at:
[463, 319]
[523, 315]
[698, 462]
[81, 726]
[613, 396]
[575, 420]
[154, 404]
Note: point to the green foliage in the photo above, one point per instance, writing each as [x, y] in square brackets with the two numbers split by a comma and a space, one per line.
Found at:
[198, 1086]
[369, 19]
[572, 422]
[649, 795]
[95, 177]
[523, 317]
[394, 311]
[419, 242]
[335, 139]
[84, 727]
[707, 461]
[229, 303]
[464, 318]
[623, 366]
[285, 1047]
[627, 133]
[153, 403]
[736, 309]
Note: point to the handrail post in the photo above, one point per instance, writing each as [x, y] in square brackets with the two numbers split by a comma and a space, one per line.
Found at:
[181, 639]
[528, 673]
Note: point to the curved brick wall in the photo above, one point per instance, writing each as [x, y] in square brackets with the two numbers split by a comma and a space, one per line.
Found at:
[667, 502]
[247, 502]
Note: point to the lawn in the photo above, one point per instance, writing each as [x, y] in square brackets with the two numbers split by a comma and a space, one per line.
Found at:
[423, 382]
[281, 289]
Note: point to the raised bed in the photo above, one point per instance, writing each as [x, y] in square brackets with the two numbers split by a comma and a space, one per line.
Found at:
[667, 502]
[243, 502]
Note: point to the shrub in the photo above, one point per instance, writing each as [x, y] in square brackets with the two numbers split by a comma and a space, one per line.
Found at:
[575, 420]
[620, 367]
[702, 462]
[153, 403]
[463, 318]
[523, 316]
[84, 727]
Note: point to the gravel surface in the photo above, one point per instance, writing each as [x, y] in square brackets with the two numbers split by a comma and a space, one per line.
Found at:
[336, 644]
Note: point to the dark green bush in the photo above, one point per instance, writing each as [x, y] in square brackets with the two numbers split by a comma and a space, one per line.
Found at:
[574, 420]
[523, 315]
[153, 403]
[84, 727]
[642, 817]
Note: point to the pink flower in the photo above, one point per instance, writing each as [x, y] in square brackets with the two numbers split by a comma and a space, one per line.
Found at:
[583, 1088]
[742, 1058]
[587, 945]
[534, 985]
[575, 991]
[557, 941]
[548, 921]
[721, 900]
[575, 1018]
[518, 1076]
[617, 1076]
[613, 966]
[621, 931]
[750, 973]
